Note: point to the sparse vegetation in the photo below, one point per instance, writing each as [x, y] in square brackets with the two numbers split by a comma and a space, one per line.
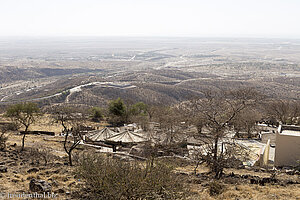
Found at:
[40, 153]
[128, 112]
[117, 109]
[217, 111]
[24, 114]
[283, 111]
[215, 188]
[107, 178]
[245, 121]
[154, 85]
[3, 137]
[72, 121]
[96, 114]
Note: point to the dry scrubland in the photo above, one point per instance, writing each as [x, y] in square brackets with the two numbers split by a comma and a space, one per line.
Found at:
[164, 71]
[22, 167]
[157, 71]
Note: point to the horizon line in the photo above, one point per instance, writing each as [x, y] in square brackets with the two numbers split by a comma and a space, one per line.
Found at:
[151, 36]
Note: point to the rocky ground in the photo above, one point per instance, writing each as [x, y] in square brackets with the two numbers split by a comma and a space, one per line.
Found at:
[18, 169]
[28, 172]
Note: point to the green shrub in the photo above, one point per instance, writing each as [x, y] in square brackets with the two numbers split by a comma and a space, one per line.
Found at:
[96, 114]
[107, 178]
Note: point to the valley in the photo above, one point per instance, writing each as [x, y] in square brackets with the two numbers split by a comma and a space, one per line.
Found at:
[151, 70]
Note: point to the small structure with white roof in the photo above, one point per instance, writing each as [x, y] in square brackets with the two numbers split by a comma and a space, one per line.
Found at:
[100, 135]
[127, 137]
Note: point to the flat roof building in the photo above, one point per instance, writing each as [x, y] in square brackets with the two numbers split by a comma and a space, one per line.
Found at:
[287, 151]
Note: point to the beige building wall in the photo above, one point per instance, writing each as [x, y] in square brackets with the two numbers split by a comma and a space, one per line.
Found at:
[287, 150]
[264, 157]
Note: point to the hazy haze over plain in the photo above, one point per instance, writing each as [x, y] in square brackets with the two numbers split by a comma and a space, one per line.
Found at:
[197, 18]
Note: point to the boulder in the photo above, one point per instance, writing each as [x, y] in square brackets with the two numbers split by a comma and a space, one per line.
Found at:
[60, 190]
[3, 169]
[33, 170]
[12, 164]
[37, 185]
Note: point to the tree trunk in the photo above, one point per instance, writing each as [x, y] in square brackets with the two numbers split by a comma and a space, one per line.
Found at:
[237, 134]
[70, 158]
[215, 158]
[249, 132]
[23, 139]
[199, 128]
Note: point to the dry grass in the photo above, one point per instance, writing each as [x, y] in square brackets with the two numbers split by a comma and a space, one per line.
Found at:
[190, 169]
[17, 178]
[46, 123]
[242, 190]
[248, 191]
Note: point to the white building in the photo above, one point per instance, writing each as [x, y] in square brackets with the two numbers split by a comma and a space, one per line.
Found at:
[287, 151]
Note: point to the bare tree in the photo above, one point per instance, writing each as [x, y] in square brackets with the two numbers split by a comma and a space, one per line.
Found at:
[170, 120]
[284, 111]
[246, 121]
[72, 121]
[216, 112]
[152, 110]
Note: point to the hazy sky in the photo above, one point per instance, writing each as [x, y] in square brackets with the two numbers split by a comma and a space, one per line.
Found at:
[215, 18]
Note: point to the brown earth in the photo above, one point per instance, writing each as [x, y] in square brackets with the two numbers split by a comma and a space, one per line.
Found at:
[64, 182]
